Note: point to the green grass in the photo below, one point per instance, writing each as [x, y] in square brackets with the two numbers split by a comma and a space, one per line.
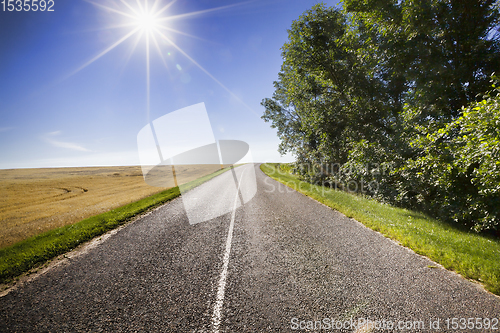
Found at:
[473, 256]
[32, 252]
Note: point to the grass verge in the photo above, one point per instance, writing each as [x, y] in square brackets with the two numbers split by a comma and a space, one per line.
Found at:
[27, 254]
[473, 256]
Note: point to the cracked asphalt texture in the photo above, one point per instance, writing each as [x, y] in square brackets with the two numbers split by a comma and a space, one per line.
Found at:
[291, 257]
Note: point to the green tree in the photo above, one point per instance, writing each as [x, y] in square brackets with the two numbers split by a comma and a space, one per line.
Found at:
[326, 96]
[435, 56]
[366, 86]
[461, 166]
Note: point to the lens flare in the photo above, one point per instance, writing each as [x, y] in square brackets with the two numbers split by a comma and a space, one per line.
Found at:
[149, 22]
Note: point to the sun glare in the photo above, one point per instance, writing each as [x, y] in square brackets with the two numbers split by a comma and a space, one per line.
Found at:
[149, 19]
[147, 22]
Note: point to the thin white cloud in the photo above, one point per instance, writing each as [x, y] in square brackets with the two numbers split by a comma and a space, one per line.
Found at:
[68, 145]
[5, 129]
[63, 144]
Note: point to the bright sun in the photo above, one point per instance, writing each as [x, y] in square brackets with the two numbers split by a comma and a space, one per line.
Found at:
[148, 18]
[147, 22]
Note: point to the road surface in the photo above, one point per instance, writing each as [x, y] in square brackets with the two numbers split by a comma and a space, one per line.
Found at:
[281, 262]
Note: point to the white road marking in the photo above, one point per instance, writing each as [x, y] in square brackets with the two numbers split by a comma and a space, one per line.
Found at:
[216, 316]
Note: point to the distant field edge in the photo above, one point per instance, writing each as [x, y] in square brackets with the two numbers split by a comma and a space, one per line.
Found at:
[33, 252]
[475, 257]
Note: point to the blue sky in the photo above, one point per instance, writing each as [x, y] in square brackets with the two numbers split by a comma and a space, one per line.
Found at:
[55, 111]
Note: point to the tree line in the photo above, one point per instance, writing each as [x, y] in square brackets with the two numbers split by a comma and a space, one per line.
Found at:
[399, 94]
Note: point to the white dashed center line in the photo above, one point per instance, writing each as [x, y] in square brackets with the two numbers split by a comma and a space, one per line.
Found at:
[216, 316]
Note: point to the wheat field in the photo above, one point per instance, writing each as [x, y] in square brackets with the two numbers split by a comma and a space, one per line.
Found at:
[33, 201]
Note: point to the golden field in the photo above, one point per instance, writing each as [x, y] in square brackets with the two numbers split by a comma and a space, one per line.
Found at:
[33, 201]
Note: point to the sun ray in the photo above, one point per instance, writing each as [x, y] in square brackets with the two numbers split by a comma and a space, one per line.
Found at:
[184, 34]
[140, 6]
[134, 47]
[110, 27]
[148, 78]
[130, 7]
[200, 12]
[159, 51]
[111, 9]
[155, 6]
[145, 18]
[158, 13]
[124, 38]
[205, 71]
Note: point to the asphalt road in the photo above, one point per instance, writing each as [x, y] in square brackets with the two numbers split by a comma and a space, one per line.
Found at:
[276, 263]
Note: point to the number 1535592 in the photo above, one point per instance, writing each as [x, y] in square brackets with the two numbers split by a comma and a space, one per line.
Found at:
[27, 5]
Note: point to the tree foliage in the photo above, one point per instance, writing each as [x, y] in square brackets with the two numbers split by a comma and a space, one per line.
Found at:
[374, 92]
[459, 169]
